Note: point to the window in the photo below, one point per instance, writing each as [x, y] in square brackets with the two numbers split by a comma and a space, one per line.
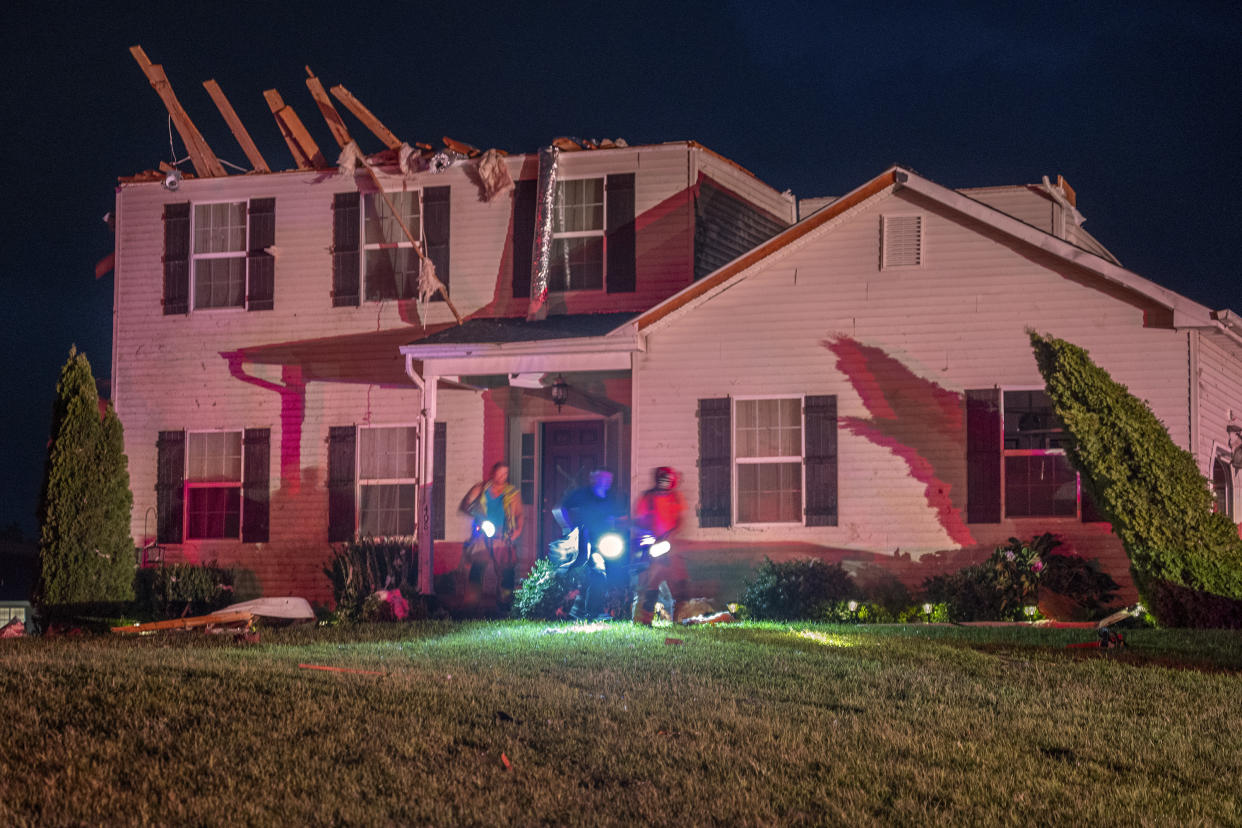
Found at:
[901, 241]
[1038, 478]
[220, 255]
[213, 482]
[578, 236]
[390, 263]
[1222, 487]
[387, 482]
[768, 458]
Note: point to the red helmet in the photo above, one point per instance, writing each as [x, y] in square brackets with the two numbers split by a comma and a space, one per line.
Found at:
[666, 477]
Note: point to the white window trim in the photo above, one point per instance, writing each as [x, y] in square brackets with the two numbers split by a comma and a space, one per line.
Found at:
[403, 243]
[1223, 454]
[242, 254]
[1077, 516]
[360, 481]
[188, 484]
[601, 233]
[884, 219]
[735, 460]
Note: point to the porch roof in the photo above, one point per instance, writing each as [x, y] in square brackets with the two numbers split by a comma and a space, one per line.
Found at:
[493, 331]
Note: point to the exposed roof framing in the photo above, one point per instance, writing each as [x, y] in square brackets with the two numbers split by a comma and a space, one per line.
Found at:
[330, 115]
[305, 151]
[206, 164]
[239, 131]
[364, 115]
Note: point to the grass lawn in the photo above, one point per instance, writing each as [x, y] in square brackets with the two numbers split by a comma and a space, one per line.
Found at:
[517, 723]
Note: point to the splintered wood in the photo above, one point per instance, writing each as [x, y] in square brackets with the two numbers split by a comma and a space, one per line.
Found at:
[205, 162]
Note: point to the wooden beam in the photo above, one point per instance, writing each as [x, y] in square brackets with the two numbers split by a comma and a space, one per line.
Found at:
[205, 162]
[235, 124]
[335, 124]
[461, 147]
[223, 618]
[364, 115]
[305, 151]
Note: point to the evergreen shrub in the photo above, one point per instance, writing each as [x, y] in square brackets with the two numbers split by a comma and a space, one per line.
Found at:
[183, 589]
[541, 593]
[1151, 490]
[795, 590]
[86, 551]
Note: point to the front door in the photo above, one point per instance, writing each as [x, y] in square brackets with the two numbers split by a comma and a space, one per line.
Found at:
[570, 452]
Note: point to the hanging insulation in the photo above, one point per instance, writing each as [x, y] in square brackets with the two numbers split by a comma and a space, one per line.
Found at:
[494, 174]
[541, 250]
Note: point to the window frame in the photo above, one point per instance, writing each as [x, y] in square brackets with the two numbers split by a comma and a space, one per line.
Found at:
[601, 234]
[403, 244]
[1007, 453]
[360, 481]
[884, 235]
[735, 461]
[239, 484]
[243, 254]
[1227, 496]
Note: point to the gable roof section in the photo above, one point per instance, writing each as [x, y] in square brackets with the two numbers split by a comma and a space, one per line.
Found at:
[1186, 312]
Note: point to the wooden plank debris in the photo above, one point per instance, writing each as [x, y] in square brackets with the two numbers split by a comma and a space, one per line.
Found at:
[461, 147]
[303, 147]
[205, 162]
[368, 120]
[239, 131]
[333, 118]
[213, 619]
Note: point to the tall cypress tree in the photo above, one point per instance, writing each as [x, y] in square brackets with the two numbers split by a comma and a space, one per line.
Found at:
[1151, 490]
[85, 548]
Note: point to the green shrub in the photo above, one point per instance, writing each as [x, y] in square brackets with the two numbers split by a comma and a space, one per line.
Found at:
[1150, 490]
[1078, 579]
[541, 593]
[183, 589]
[366, 565]
[1000, 588]
[85, 548]
[794, 590]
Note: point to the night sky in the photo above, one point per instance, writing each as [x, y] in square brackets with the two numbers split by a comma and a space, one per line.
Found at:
[1139, 106]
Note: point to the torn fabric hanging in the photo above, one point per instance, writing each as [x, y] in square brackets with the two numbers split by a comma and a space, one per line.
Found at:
[428, 282]
[541, 250]
[494, 174]
[347, 161]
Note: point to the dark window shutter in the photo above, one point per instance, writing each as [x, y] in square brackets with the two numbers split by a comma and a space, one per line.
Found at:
[619, 193]
[983, 456]
[256, 475]
[260, 265]
[436, 232]
[523, 234]
[346, 244]
[169, 486]
[821, 460]
[438, 474]
[177, 258]
[715, 462]
[341, 446]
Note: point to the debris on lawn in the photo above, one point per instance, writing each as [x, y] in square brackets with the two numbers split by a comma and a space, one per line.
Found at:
[287, 608]
[16, 628]
[505, 760]
[212, 622]
[724, 617]
[332, 669]
[673, 642]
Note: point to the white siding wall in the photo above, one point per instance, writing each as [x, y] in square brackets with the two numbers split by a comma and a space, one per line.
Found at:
[958, 322]
[1020, 202]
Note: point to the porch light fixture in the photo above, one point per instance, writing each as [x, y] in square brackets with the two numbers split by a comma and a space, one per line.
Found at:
[560, 392]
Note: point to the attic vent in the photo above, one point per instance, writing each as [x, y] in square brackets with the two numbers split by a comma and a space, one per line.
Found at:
[901, 241]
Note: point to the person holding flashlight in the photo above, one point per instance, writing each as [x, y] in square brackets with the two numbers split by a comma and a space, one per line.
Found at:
[495, 505]
[656, 517]
[595, 512]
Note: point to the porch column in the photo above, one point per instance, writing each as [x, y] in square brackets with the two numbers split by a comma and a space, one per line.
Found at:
[426, 560]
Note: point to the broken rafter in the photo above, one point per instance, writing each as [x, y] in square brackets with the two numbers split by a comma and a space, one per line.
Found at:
[461, 147]
[330, 115]
[305, 151]
[364, 115]
[239, 131]
[205, 162]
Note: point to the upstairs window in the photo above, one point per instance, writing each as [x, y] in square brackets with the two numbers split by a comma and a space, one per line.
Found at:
[768, 457]
[390, 264]
[387, 481]
[1222, 487]
[901, 241]
[213, 482]
[1039, 480]
[219, 255]
[578, 225]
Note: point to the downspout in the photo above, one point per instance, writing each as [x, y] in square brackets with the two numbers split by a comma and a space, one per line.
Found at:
[426, 463]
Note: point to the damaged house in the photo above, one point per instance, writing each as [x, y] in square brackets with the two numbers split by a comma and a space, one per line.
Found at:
[344, 348]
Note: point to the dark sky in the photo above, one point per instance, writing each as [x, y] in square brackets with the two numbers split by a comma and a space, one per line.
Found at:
[1138, 105]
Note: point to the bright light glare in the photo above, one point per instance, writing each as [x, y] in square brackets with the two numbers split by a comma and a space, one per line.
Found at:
[853, 605]
[826, 639]
[658, 549]
[488, 528]
[611, 546]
